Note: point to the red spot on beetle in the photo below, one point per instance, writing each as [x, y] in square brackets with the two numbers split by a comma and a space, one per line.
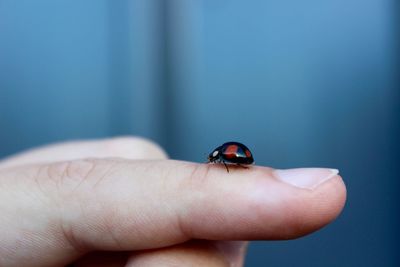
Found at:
[248, 153]
[231, 151]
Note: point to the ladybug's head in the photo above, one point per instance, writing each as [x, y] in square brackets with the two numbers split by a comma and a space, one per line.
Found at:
[214, 156]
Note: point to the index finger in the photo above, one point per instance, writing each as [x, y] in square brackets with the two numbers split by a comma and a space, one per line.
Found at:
[131, 204]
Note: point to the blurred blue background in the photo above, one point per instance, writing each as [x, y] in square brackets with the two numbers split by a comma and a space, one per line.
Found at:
[302, 83]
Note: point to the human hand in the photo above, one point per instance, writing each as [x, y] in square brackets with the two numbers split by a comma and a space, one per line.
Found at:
[120, 202]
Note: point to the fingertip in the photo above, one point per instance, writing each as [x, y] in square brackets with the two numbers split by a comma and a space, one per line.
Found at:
[315, 209]
[330, 199]
[253, 203]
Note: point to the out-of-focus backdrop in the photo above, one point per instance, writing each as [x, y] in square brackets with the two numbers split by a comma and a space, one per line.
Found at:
[302, 83]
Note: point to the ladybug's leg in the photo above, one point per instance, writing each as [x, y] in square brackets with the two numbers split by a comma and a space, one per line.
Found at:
[225, 166]
[240, 165]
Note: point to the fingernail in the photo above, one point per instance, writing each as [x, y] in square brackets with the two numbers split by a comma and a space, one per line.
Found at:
[308, 178]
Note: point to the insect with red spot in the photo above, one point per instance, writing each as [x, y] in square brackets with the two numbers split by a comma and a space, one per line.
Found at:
[231, 153]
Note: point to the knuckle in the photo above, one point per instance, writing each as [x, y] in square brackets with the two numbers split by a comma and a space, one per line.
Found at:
[74, 180]
[75, 170]
[70, 176]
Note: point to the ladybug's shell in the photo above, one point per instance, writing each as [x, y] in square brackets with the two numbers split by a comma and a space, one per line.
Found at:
[234, 152]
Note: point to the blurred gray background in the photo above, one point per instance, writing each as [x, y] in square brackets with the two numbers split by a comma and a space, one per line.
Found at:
[302, 83]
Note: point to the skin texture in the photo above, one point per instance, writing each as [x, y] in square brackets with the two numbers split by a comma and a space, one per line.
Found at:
[121, 202]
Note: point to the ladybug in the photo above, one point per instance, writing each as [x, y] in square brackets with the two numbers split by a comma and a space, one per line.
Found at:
[232, 153]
